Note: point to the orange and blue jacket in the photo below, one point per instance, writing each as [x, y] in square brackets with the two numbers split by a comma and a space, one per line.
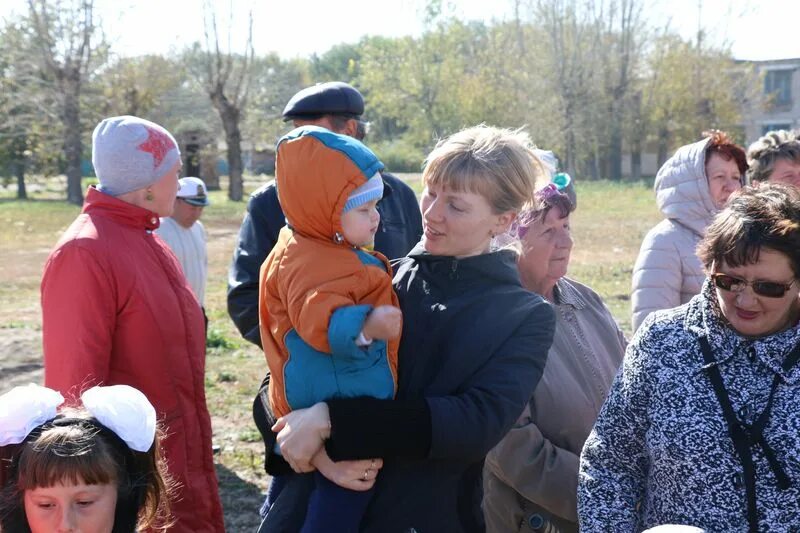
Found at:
[315, 289]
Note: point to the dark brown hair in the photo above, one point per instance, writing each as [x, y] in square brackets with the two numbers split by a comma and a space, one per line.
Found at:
[559, 201]
[77, 449]
[764, 217]
[721, 144]
[543, 205]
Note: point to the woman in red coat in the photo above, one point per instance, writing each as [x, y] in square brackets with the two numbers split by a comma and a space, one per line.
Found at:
[118, 310]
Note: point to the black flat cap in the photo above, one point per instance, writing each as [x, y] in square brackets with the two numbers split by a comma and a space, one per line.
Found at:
[331, 98]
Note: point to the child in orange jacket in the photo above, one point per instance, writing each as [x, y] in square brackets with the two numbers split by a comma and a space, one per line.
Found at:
[330, 321]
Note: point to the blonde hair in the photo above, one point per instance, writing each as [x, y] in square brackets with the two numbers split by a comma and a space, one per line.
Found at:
[499, 164]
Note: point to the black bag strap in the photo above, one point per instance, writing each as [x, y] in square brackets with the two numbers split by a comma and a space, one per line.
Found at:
[745, 436]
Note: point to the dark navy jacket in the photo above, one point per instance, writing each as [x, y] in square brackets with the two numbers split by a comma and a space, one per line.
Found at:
[473, 348]
[400, 229]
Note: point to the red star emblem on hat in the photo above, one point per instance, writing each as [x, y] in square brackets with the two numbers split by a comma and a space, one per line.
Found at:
[157, 144]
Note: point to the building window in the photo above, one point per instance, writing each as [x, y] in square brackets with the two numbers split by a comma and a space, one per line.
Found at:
[778, 85]
[766, 128]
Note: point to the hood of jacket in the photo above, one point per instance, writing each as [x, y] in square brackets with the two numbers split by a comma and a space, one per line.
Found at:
[681, 186]
[315, 172]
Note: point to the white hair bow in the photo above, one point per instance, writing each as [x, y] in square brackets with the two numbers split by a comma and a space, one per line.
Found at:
[122, 409]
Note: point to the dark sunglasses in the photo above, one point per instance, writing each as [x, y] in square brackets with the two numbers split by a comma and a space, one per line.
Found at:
[769, 289]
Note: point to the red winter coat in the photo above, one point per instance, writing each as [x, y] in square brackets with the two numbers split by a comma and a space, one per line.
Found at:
[118, 310]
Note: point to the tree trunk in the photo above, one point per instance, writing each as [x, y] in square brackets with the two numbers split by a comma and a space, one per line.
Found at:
[233, 138]
[636, 159]
[594, 167]
[73, 146]
[208, 168]
[663, 139]
[19, 171]
[615, 152]
[229, 114]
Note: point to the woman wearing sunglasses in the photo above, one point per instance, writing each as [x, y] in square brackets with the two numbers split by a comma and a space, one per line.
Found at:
[702, 426]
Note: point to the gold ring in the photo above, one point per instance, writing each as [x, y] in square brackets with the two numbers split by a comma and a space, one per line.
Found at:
[366, 474]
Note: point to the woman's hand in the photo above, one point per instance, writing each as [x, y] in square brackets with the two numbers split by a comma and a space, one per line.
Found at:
[301, 435]
[353, 475]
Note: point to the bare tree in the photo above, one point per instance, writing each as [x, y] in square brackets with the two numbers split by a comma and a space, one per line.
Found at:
[63, 36]
[569, 48]
[226, 77]
[623, 28]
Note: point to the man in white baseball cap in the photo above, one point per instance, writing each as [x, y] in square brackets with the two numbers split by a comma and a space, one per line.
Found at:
[185, 235]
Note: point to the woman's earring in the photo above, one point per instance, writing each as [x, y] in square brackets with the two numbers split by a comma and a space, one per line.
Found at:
[149, 196]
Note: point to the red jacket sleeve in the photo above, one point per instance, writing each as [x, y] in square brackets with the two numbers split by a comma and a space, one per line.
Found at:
[78, 320]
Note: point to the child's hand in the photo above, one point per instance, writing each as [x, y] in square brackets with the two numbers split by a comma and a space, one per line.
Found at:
[384, 322]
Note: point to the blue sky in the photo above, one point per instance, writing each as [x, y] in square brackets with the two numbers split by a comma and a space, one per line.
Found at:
[297, 28]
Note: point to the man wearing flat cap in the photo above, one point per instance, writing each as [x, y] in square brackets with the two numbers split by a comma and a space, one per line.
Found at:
[338, 107]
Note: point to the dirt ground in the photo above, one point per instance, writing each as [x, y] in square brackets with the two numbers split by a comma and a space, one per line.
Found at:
[232, 375]
[20, 318]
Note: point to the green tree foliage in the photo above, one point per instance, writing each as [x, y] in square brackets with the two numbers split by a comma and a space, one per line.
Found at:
[688, 90]
[136, 85]
[590, 80]
[68, 49]
[30, 136]
[274, 82]
[340, 63]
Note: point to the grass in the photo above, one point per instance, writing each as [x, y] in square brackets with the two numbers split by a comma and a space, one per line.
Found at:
[608, 227]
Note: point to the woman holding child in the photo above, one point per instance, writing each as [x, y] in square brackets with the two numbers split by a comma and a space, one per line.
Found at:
[473, 347]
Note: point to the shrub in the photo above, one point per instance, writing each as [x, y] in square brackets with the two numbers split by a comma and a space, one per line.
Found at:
[399, 155]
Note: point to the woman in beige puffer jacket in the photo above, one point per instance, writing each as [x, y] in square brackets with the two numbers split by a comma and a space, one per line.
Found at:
[690, 188]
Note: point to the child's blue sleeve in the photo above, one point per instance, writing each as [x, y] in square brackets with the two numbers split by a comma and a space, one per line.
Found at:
[344, 328]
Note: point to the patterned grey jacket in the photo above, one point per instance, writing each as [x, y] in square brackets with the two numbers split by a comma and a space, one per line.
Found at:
[660, 451]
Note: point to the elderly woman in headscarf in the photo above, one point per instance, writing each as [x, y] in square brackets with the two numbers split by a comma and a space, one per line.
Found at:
[531, 477]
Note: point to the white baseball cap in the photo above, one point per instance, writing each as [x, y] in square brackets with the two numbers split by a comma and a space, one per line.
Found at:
[193, 191]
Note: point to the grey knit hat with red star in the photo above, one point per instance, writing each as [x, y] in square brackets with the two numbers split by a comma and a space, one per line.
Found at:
[130, 153]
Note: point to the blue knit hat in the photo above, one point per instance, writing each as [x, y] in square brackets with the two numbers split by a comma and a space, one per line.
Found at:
[371, 190]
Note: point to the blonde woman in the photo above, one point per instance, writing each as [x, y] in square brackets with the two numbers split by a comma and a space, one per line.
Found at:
[473, 346]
